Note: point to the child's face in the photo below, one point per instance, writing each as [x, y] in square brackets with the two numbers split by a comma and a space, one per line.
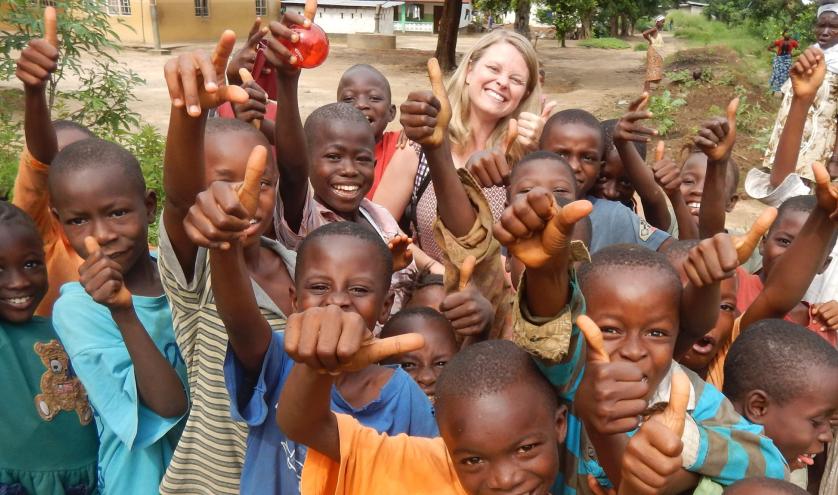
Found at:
[226, 160]
[703, 351]
[800, 427]
[367, 91]
[425, 365]
[693, 174]
[639, 322]
[613, 183]
[581, 146]
[780, 236]
[340, 271]
[505, 442]
[342, 164]
[497, 81]
[23, 273]
[826, 30]
[429, 296]
[543, 173]
[100, 203]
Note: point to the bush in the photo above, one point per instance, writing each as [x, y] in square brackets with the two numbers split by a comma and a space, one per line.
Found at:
[641, 47]
[664, 108]
[605, 43]
[700, 31]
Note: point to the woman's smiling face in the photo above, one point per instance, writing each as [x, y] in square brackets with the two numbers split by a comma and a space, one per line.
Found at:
[497, 81]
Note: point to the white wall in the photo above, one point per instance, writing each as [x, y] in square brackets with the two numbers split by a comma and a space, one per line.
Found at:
[350, 19]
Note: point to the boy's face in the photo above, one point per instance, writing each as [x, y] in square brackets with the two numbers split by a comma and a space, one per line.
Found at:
[342, 164]
[425, 365]
[367, 91]
[639, 322]
[703, 351]
[613, 183]
[800, 427]
[342, 271]
[542, 173]
[693, 174]
[100, 203]
[226, 160]
[429, 296]
[504, 443]
[581, 146]
[23, 273]
[779, 238]
[497, 81]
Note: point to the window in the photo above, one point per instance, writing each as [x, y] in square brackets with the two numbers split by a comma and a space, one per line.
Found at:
[119, 7]
[261, 7]
[201, 8]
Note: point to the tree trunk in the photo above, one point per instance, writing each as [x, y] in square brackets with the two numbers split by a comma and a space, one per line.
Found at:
[449, 27]
[614, 26]
[585, 32]
[522, 18]
[623, 25]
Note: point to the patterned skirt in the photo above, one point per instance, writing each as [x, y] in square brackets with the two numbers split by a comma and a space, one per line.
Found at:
[654, 64]
[780, 72]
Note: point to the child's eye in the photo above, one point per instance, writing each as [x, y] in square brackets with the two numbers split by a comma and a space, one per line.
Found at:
[610, 331]
[359, 291]
[440, 364]
[472, 461]
[76, 221]
[602, 179]
[119, 213]
[657, 333]
[408, 366]
[318, 288]
[730, 308]
[32, 264]
[590, 159]
[523, 449]
[688, 182]
[348, 99]
[376, 98]
[333, 157]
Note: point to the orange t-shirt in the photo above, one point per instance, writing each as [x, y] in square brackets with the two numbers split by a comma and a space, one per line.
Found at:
[372, 463]
[32, 196]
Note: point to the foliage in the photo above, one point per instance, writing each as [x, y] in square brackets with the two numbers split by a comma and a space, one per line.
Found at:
[148, 146]
[700, 31]
[11, 141]
[104, 98]
[606, 43]
[664, 108]
[641, 47]
[766, 19]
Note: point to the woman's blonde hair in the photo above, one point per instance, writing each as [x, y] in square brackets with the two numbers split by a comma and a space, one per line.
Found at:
[459, 129]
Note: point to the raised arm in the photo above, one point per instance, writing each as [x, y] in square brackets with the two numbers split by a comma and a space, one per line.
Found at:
[196, 84]
[807, 75]
[651, 195]
[716, 139]
[668, 175]
[396, 186]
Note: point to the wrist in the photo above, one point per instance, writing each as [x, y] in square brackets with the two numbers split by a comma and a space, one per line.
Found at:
[122, 313]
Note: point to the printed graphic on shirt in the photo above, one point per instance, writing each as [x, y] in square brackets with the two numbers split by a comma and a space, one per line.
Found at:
[645, 230]
[61, 390]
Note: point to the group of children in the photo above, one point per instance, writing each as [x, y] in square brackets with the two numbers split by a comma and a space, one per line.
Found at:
[603, 336]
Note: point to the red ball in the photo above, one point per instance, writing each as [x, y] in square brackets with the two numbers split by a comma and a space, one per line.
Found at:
[312, 48]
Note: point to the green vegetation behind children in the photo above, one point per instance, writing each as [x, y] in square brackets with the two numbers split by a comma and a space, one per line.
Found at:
[48, 444]
[115, 322]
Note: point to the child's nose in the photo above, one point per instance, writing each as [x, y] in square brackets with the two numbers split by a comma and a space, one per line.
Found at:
[102, 232]
[505, 476]
[632, 349]
[425, 376]
[17, 280]
[338, 298]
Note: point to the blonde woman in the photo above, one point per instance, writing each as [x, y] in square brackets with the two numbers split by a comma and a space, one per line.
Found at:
[497, 80]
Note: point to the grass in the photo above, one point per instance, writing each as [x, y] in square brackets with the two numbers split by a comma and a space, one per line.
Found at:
[700, 31]
[641, 47]
[605, 43]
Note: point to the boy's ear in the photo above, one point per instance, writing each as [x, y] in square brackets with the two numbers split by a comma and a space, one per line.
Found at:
[756, 406]
[392, 115]
[561, 424]
[384, 315]
[731, 202]
[825, 265]
[762, 244]
[150, 205]
[292, 294]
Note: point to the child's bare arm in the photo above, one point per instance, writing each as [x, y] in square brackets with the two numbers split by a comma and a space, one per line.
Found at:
[196, 84]
[289, 138]
[794, 270]
[628, 130]
[396, 186]
[668, 175]
[807, 75]
[158, 385]
[716, 139]
[34, 67]
[327, 341]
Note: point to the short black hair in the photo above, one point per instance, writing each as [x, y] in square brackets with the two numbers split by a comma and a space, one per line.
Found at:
[391, 328]
[368, 68]
[584, 228]
[778, 357]
[805, 203]
[350, 229]
[487, 368]
[69, 125]
[765, 485]
[608, 127]
[632, 256]
[678, 250]
[331, 113]
[546, 156]
[574, 116]
[419, 280]
[96, 154]
[220, 125]
[12, 216]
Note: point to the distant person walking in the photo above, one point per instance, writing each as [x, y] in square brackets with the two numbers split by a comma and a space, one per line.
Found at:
[654, 59]
[782, 60]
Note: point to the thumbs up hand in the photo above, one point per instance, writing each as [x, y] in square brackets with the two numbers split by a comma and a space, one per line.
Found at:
[101, 278]
[717, 137]
[611, 396]
[746, 244]
[39, 59]
[469, 312]
[331, 340]
[653, 454]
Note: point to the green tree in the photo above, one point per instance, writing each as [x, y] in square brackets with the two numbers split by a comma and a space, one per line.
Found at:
[562, 15]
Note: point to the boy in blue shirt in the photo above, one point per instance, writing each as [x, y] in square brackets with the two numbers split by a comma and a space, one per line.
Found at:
[115, 322]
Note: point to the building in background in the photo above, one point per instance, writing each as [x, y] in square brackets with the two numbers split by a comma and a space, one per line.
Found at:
[424, 16]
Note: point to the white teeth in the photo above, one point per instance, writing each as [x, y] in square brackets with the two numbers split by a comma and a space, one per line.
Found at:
[253, 221]
[16, 301]
[345, 188]
[495, 95]
[694, 205]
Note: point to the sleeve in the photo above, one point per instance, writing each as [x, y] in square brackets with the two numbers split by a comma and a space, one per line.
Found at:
[251, 402]
[102, 362]
[556, 343]
[171, 273]
[644, 234]
[310, 221]
[422, 420]
[489, 273]
[374, 463]
[32, 195]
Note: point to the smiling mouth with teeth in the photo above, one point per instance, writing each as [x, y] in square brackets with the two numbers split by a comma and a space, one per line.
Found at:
[495, 96]
[807, 459]
[20, 302]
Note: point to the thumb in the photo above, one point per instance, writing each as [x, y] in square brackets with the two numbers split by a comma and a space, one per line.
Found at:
[593, 336]
[249, 191]
[310, 9]
[379, 349]
[233, 94]
[511, 136]
[245, 75]
[675, 414]
[746, 244]
[821, 175]
[560, 228]
[732, 108]
[660, 150]
[444, 114]
[548, 108]
[51, 26]
[90, 245]
[639, 103]
[466, 271]
[596, 488]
